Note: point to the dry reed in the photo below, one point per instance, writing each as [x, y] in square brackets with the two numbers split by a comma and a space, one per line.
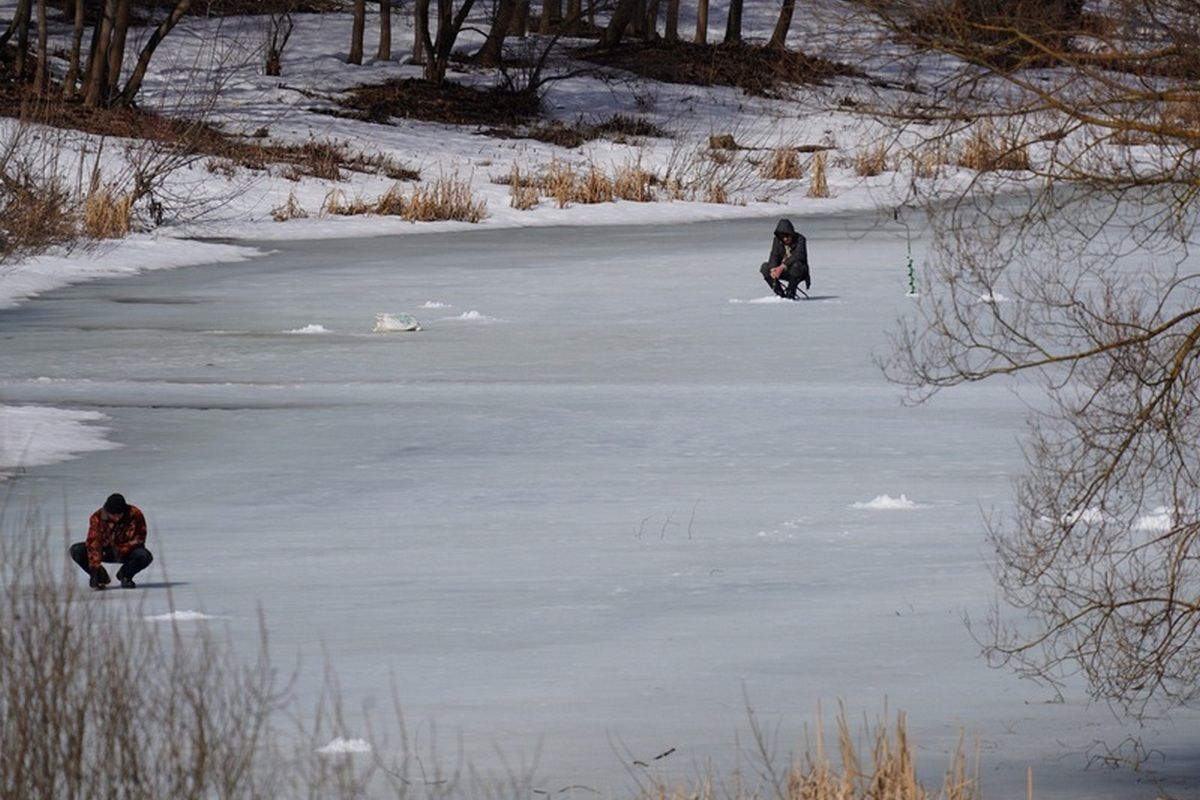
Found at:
[631, 182]
[783, 165]
[871, 161]
[986, 150]
[445, 199]
[291, 209]
[107, 214]
[818, 185]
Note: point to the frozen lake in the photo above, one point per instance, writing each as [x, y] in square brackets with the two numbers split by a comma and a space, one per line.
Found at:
[586, 513]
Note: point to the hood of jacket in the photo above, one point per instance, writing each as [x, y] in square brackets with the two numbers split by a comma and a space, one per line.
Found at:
[784, 227]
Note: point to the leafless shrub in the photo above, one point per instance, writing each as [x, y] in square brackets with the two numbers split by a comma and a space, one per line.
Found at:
[783, 165]
[36, 211]
[818, 185]
[98, 704]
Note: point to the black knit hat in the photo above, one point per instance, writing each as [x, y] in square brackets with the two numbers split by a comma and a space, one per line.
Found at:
[115, 504]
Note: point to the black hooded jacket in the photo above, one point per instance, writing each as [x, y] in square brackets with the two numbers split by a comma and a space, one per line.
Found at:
[795, 264]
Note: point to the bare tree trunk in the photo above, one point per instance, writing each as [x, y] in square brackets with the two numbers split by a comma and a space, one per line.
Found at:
[97, 78]
[551, 16]
[420, 31]
[134, 84]
[701, 22]
[574, 15]
[782, 25]
[26, 10]
[650, 29]
[616, 26]
[493, 46]
[733, 23]
[638, 23]
[13, 24]
[385, 31]
[356, 32]
[69, 88]
[520, 24]
[435, 65]
[116, 49]
[41, 79]
[672, 32]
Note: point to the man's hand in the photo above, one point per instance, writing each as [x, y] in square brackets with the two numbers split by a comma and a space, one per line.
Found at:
[99, 578]
[776, 272]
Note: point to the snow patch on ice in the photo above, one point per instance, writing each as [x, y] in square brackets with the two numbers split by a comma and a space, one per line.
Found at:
[181, 616]
[340, 745]
[311, 327]
[34, 436]
[475, 316]
[1159, 520]
[885, 502]
[435, 304]
[993, 297]
[1090, 516]
[137, 253]
[769, 299]
[395, 323]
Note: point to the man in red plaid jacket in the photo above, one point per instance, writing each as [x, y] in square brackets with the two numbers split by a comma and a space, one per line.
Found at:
[116, 534]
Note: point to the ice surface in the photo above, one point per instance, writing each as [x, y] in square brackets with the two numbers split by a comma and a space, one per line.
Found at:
[595, 532]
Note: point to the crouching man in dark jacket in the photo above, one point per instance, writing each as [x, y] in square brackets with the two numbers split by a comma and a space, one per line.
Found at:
[116, 534]
[788, 261]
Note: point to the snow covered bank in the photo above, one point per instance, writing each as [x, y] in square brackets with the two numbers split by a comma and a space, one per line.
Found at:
[21, 281]
[35, 436]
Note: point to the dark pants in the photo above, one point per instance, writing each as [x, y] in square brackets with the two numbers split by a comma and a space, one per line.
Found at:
[138, 559]
[793, 278]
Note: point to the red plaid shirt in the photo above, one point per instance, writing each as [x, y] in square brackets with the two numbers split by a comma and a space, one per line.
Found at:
[120, 535]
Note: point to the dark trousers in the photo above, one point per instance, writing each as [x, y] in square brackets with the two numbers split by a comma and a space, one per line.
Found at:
[138, 559]
[793, 278]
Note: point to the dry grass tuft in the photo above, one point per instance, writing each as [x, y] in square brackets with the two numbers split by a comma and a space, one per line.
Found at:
[107, 214]
[445, 199]
[784, 165]
[596, 187]
[871, 161]
[391, 203]
[631, 182]
[289, 210]
[927, 162]
[558, 182]
[986, 150]
[887, 772]
[338, 204]
[818, 186]
[523, 193]
[34, 215]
